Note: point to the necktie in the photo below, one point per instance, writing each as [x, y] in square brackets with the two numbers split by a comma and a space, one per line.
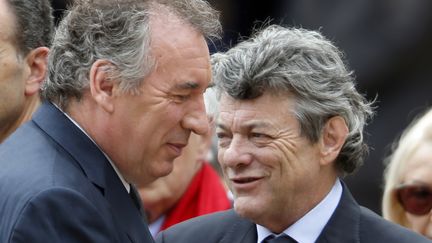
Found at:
[279, 239]
[136, 198]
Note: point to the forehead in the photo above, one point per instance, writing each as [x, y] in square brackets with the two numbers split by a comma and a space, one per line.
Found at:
[181, 51]
[266, 110]
[419, 165]
[7, 21]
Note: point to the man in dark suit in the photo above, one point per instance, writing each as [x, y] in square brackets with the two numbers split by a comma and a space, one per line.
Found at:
[123, 94]
[290, 127]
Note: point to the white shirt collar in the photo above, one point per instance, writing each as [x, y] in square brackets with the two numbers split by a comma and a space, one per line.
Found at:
[309, 227]
[156, 226]
[125, 183]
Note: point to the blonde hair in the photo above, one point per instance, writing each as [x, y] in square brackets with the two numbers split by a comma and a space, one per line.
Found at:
[416, 134]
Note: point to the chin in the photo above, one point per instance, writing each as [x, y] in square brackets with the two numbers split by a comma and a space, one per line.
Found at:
[164, 169]
[247, 207]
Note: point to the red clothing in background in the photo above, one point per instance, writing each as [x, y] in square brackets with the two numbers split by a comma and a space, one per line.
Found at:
[205, 194]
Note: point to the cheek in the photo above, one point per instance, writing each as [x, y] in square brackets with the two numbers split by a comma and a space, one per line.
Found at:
[284, 149]
[418, 223]
[280, 157]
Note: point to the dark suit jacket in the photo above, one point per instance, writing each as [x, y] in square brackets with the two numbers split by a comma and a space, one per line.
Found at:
[349, 223]
[57, 186]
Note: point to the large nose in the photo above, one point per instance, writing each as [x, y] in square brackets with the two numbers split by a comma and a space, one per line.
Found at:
[236, 154]
[196, 118]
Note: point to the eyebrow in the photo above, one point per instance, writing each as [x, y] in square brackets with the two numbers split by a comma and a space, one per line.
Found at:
[248, 125]
[221, 126]
[187, 85]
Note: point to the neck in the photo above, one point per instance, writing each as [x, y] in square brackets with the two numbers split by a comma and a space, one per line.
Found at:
[30, 107]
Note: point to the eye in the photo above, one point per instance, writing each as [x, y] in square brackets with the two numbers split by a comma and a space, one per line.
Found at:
[221, 135]
[181, 98]
[223, 139]
[258, 135]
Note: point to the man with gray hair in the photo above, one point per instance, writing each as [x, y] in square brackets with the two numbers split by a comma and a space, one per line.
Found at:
[290, 128]
[124, 91]
[25, 35]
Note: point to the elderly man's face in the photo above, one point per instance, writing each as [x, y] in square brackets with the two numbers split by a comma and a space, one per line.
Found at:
[12, 72]
[152, 128]
[269, 166]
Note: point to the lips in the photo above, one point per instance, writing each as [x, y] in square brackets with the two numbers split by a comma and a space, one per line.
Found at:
[245, 183]
[177, 148]
[244, 180]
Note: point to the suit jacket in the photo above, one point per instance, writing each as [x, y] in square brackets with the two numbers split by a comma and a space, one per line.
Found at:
[57, 186]
[350, 223]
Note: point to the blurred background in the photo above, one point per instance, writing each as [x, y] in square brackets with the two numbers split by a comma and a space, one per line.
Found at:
[388, 44]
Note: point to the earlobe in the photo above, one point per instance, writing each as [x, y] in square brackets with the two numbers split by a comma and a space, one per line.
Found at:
[101, 87]
[333, 138]
[37, 62]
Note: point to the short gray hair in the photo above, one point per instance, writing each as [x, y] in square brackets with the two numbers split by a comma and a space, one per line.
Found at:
[117, 31]
[34, 24]
[303, 63]
[211, 102]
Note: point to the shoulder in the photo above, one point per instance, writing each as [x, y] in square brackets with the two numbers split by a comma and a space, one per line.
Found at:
[41, 186]
[374, 228]
[55, 215]
[32, 165]
[208, 228]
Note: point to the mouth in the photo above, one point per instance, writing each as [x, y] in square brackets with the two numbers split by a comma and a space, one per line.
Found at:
[245, 183]
[176, 148]
[244, 180]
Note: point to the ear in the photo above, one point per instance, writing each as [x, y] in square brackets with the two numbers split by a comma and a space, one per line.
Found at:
[101, 87]
[37, 62]
[333, 138]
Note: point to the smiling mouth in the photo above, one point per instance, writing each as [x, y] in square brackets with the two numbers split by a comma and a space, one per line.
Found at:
[245, 180]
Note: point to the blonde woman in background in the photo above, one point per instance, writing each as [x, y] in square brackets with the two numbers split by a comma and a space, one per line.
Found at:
[408, 178]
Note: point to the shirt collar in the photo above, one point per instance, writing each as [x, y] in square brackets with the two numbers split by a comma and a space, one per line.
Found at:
[124, 182]
[156, 226]
[309, 227]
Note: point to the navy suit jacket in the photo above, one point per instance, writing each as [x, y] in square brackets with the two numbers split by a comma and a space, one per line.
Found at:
[57, 186]
[350, 223]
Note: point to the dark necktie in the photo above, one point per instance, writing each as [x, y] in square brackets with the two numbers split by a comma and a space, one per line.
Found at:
[136, 198]
[280, 239]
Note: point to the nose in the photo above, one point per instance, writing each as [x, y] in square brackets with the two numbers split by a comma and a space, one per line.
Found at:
[236, 154]
[196, 119]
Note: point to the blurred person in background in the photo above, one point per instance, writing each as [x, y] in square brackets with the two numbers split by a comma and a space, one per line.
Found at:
[407, 198]
[124, 92]
[290, 127]
[25, 34]
[193, 188]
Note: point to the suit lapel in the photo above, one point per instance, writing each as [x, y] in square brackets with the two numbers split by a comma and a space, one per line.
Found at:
[86, 154]
[126, 213]
[242, 231]
[344, 224]
[97, 169]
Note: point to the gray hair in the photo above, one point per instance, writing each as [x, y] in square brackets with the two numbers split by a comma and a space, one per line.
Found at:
[117, 31]
[34, 24]
[211, 102]
[303, 63]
